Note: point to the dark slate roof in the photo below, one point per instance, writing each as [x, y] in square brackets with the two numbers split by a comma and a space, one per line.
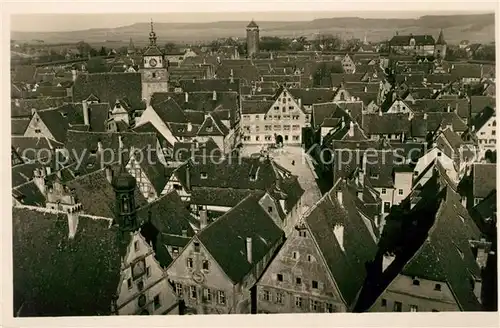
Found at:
[235, 173]
[347, 266]
[200, 101]
[45, 283]
[459, 71]
[97, 196]
[404, 40]
[313, 96]
[168, 214]
[479, 103]
[212, 126]
[256, 106]
[386, 123]
[220, 196]
[25, 145]
[210, 85]
[338, 78]
[18, 125]
[153, 51]
[23, 107]
[153, 168]
[25, 73]
[483, 179]
[482, 118]
[109, 87]
[246, 73]
[29, 194]
[445, 254]
[225, 239]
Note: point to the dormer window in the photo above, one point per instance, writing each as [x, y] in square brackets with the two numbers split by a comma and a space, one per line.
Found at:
[210, 129]
[204, 175]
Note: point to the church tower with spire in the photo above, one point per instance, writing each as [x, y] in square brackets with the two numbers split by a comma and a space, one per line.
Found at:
[124, 186]
[440, 47]
[252, 39]
[131, 48]
[154, 71]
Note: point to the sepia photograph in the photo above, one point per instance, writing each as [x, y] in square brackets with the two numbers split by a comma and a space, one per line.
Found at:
[252, 162]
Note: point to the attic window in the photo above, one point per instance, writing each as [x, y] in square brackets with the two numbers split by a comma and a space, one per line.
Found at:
[416, 282]
[439, 154]
[374, 175]
[196, 247]
[204, 175]
[270, 209]
[437, 287]
[210, 129]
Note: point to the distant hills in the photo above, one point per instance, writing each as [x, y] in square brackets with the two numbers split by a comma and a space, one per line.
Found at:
[476, 28]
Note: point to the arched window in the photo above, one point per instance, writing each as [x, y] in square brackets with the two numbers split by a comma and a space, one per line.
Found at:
[342, 96]
[125, 203]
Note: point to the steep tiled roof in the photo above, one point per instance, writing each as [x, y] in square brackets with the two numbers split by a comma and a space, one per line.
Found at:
[24, 73]
[482, 118]
[220, 196]
[312, 96]
[168, 214]
[23, 107]
[45, 283]
[25, 146]
[225, 239]
[109, 87]
[29, 194]
[483, 179]
[346, 257]
[386, 123]
[210, 85]
[19, 125]
[256, 106]
[446, 254]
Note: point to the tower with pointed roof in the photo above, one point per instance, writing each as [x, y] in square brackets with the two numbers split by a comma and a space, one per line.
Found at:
[252, 39]
[440, 47]
[154, 71]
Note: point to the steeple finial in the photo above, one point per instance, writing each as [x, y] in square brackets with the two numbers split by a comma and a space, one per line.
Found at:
[152, 35]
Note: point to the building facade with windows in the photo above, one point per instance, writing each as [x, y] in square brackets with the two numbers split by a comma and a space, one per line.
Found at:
[276, 121]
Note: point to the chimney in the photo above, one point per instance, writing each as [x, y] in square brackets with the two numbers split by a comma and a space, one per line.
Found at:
[425, 116]
[360, 195]
[363, 170]
[184, 233]
[74, 74]
[186, 97]
[249, 249]
[188, 177]
[39, 179]
[189, 127]
[340, 197]
[351, 129]
[73, 216]
[203, 219]
[120, 142]
[109, 173]
[366, 89]
[231, 74]
[387, 260]
[48, 169]
[85, 107]
[448, 108]
[380, 112]
[300, 102]
[214, 95]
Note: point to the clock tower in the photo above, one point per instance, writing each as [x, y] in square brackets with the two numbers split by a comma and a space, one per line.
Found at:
[154, 75]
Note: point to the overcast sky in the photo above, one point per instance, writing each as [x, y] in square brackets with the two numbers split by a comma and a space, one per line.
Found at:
[72, 22]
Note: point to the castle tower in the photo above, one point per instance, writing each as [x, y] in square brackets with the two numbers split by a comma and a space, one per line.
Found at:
[252, 39]
[125, 212]
[440, 47]
[154, 74]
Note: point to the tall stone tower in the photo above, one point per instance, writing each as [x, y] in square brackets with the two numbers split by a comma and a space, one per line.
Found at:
[154, 74]
[440, 47]
[252, 39]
